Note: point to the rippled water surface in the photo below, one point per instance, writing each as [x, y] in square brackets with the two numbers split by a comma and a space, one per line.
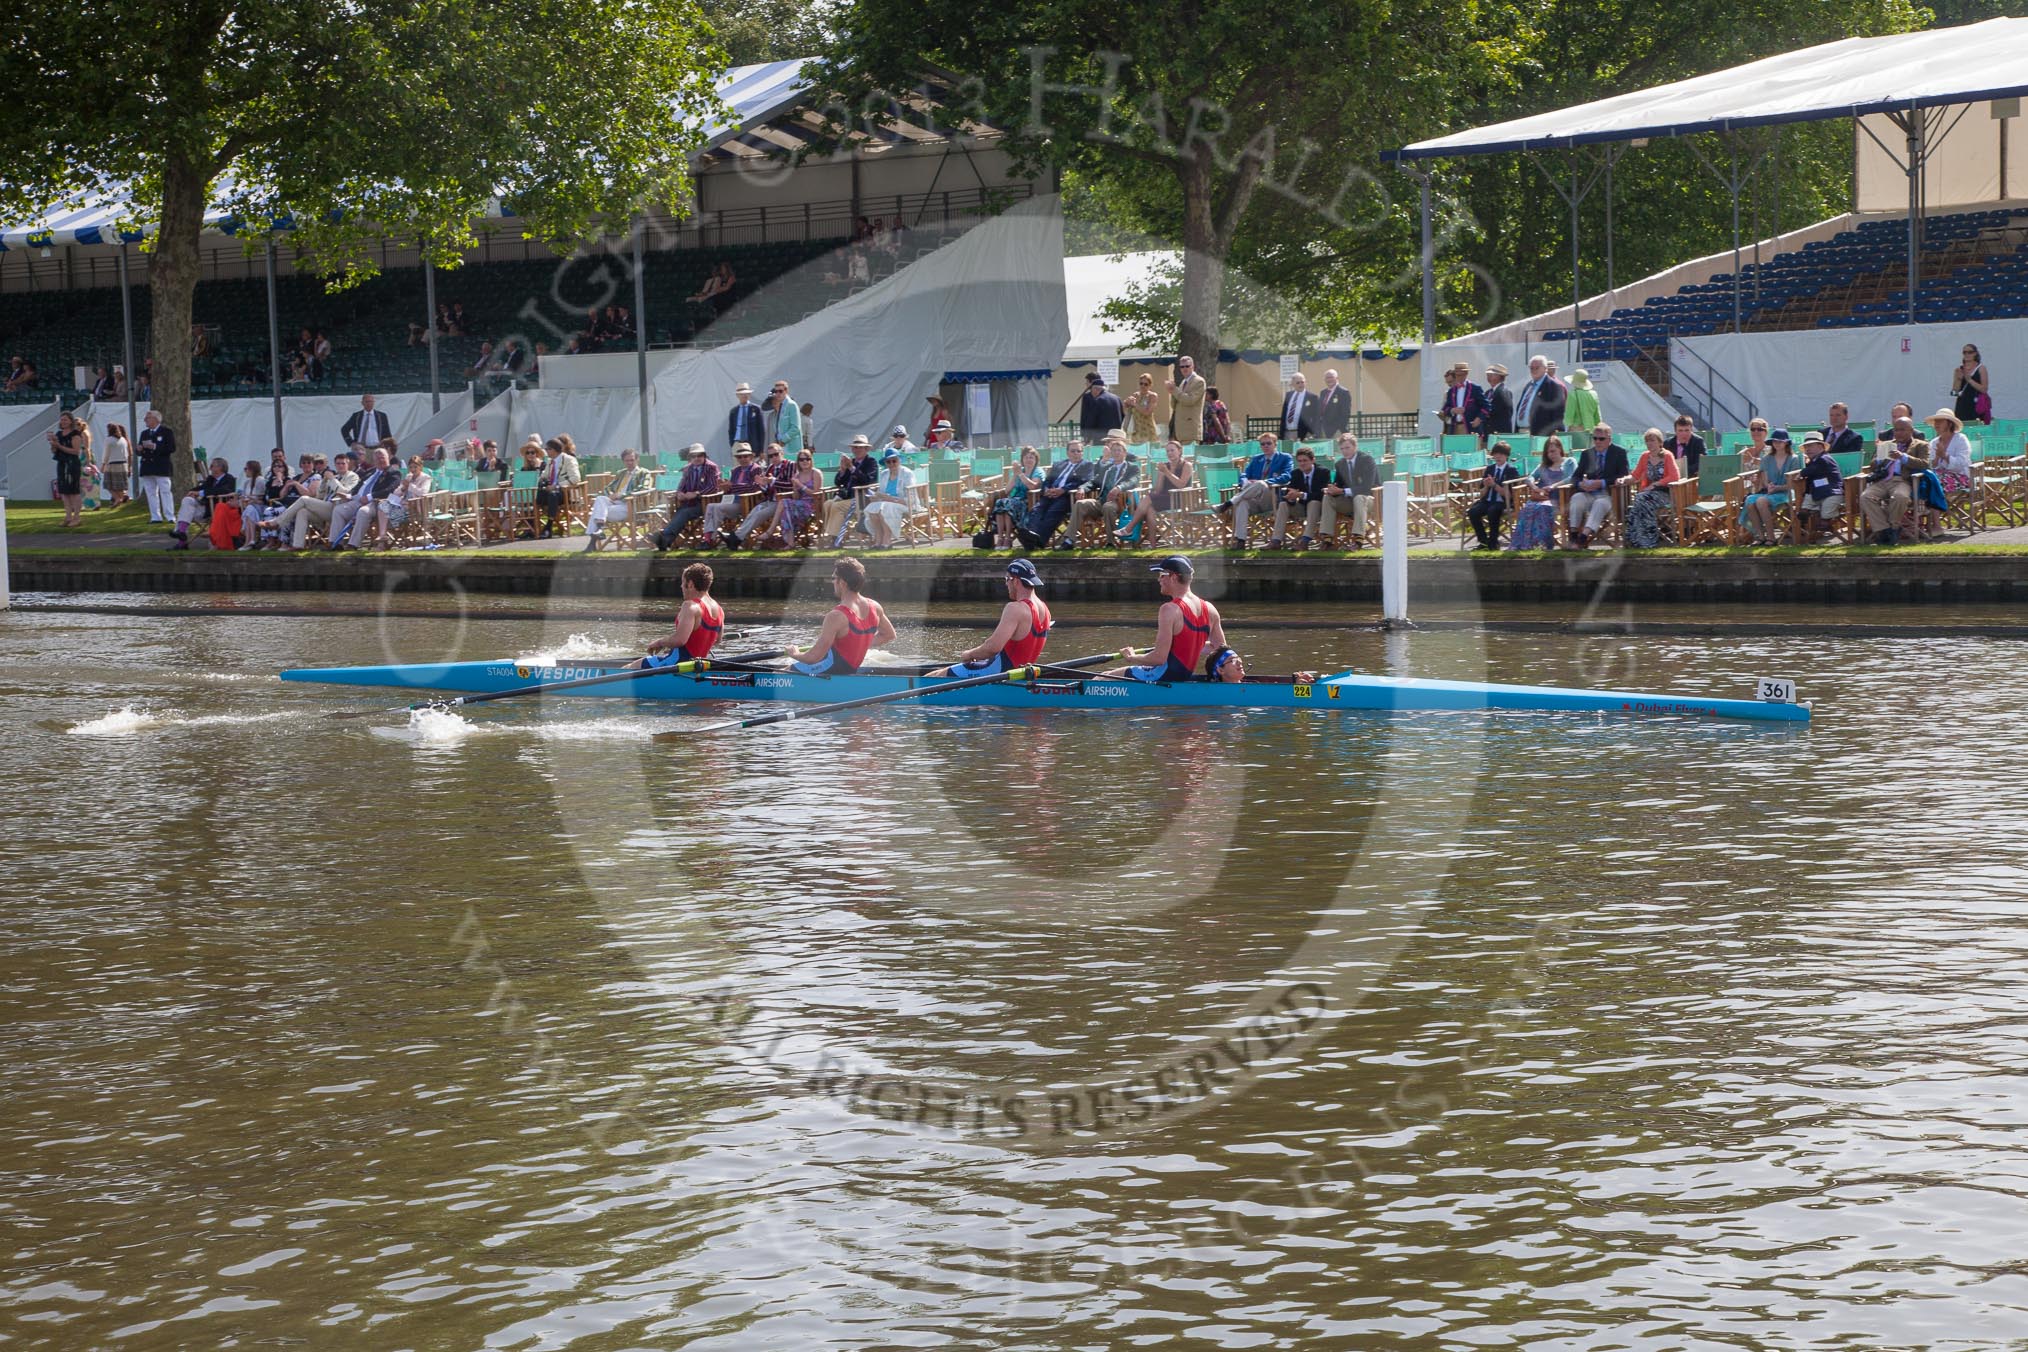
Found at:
[519, 1030]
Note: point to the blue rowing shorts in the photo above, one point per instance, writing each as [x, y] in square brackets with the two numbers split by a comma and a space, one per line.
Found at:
[985, 666]
[1169, 671]
[823, 666]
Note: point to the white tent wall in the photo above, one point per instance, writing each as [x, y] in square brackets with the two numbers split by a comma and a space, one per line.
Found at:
[453, 424]
[1624, 399]
[991, 301]
[601, 421]
[26, 471]
[495, 418]
[1794, 377]
[1967, 150]
[244, 429]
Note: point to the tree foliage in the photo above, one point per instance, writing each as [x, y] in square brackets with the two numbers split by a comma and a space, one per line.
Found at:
[1326, 234]
[1212, 123]
[359, 121]
[754, 31]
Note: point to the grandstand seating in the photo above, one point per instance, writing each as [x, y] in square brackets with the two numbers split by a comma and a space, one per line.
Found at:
[540, 299]
[1974, 266]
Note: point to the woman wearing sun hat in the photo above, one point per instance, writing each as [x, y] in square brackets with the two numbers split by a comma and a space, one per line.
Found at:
[1580, 411]
[1950, 452]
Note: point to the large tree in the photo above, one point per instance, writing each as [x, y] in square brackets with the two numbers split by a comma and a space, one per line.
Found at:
[1213, 118]
[355, 121]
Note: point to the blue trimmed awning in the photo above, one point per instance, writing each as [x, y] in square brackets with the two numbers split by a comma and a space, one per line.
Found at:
[982, 377]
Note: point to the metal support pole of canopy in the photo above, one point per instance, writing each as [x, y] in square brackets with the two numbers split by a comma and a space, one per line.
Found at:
[641, 332]
[1915, 128]
[1428, 263]
[1733, 180]
[275, 347]
[1579, 189]
[1733, 183]
[127, 324]
[430, 319]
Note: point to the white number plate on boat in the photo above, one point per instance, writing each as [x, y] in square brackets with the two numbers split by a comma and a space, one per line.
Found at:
[1770, 691]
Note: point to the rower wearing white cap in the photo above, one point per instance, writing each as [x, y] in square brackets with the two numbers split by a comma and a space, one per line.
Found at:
[1022, 632]
[1186, 627]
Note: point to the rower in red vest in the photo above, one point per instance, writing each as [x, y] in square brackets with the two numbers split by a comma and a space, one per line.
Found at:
[699, 622]
[1019, 639]
[854, 626]
[1185, 627]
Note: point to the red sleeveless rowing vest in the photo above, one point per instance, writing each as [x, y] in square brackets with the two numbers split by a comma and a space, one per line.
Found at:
[704, 635]
[1188, 644]
[1020, 652]
[851, 647]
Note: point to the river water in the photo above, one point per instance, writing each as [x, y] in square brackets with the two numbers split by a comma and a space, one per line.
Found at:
[973, 1029]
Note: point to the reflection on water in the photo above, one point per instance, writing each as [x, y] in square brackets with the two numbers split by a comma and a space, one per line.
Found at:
[521, 1030]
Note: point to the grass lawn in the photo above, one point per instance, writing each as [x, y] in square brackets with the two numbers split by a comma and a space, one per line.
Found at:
[29, 517]
[134, 521]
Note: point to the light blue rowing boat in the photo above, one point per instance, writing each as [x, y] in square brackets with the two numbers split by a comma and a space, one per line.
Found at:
[1070, 690]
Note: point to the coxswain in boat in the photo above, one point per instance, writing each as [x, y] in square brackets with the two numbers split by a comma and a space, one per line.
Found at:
[1023, 630]
[855, 625]
[1185, 628]
[699, 622]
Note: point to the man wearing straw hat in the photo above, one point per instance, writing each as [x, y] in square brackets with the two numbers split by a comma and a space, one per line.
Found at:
[744, 422]
[686, 504]
[856, 474]
[1499, 402]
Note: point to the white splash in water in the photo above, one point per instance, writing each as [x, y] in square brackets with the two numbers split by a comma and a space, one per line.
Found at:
[123, 722]
[577, 648]
[591, 729]
[227, 720]
[438, 727]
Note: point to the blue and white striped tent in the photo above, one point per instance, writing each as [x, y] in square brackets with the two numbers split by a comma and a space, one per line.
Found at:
[748, 96]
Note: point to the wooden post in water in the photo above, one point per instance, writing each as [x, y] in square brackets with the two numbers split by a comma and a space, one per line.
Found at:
[1394, 555]
[6, 596]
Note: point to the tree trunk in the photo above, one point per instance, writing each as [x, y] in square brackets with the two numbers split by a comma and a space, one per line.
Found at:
[172, 287]
[1203, 269]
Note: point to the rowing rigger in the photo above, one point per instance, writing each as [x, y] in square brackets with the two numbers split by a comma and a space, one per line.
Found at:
[1068, 691]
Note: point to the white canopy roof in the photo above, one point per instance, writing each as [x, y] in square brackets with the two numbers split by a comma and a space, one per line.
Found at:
[1967, 64]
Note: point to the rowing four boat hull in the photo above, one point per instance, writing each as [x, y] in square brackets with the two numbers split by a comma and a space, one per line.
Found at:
[1338, 692]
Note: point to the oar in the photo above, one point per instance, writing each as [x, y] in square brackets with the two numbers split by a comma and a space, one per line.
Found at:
[629, 674]
[867, 701]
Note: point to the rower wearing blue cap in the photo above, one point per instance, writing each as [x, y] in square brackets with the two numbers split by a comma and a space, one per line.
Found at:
[1021, 634]
[1185, 627]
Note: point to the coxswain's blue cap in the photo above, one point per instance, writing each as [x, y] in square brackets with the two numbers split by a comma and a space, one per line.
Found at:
[1218, 660]
[1021, 570]
[1176, 564]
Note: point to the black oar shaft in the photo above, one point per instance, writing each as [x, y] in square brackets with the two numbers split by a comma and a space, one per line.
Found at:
[608, 678]
[1023, 673]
